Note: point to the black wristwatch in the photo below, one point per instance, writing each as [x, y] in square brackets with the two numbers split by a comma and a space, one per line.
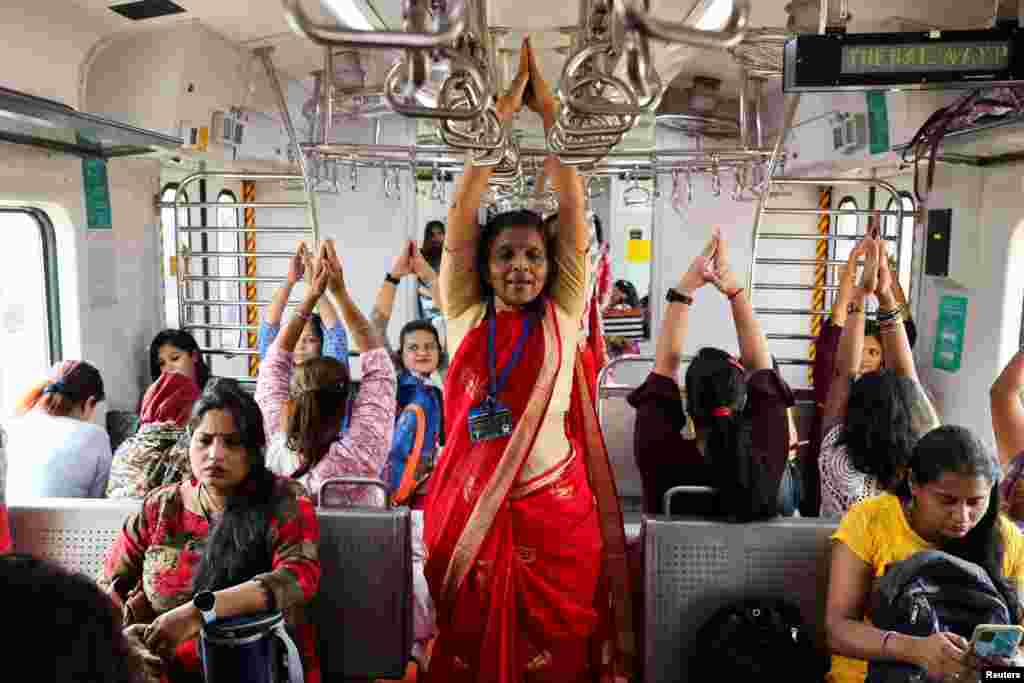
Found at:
[672, 296]
[204, 601]
[392, 279]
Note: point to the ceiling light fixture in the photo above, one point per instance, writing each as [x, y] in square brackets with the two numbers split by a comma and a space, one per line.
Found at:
[350, 13]
[715, 15]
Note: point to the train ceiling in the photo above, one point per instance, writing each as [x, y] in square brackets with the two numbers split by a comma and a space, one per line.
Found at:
[254, 23]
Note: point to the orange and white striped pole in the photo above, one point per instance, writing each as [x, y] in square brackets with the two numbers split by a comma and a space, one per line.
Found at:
[252, 311]
[820, 274]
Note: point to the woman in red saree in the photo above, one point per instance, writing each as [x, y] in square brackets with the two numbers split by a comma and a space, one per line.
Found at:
[523, 530]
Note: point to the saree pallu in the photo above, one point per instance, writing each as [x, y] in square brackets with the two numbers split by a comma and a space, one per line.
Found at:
[523, 574]
[6, 543]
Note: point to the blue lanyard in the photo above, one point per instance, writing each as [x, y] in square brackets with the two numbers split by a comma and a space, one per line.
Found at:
[498, 384]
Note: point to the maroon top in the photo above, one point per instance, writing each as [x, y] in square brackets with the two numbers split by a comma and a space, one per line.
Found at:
[826, 350]
[665, 459]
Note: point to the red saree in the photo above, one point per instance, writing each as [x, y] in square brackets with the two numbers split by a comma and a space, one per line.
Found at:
[524, 575]
[5, 530]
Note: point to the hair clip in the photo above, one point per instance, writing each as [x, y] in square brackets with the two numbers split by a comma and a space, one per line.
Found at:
[57, 387]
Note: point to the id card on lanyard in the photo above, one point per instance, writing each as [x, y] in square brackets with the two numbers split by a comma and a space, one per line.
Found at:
[490, 419]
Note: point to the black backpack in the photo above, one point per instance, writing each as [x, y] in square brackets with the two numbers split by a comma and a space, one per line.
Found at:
[929, 592]
[757, 639]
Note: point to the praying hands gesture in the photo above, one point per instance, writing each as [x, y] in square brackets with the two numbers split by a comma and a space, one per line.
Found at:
[710, 266]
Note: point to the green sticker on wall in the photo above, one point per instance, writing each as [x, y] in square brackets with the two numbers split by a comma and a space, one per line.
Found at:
[878, 121]
[949, 333]
[96, 187]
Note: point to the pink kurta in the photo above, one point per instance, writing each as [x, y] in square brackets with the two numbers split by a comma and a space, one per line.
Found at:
[361, 451]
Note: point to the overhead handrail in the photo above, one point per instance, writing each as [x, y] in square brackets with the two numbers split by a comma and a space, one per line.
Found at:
[640, 72]
[638, 18]
[452, 24]
[605, 372]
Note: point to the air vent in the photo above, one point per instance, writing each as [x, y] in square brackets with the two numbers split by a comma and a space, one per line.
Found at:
[147, 9]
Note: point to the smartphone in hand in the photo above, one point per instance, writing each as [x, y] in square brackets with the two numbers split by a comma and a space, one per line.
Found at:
[996, 641]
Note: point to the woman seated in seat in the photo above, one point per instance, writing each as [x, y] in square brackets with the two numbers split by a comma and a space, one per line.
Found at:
[322, 335]
[54, 448]
[303, 411]
[623, 297]
[139, 461]
[170, 351]
[84, 640]
[1008, 425]
[232, 528]
[949, 500]
[827, 346]
[738, 407]
[871, 419]
[178, 351]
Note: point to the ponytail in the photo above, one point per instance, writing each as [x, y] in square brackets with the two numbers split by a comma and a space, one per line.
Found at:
[716, 395]
[728, 447]
[316, 409]
[70, 384]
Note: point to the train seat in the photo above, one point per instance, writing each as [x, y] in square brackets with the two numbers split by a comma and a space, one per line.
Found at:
[694, 567]
[363, 610]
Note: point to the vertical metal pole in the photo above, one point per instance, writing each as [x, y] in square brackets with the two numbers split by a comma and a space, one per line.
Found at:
[204, 245]
[744, 111]
[327, 96]
[792, 104]
[758, 128]
[264, 54]
[179, 259]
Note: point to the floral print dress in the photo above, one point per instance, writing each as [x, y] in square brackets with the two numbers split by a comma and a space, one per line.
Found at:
[160, 547]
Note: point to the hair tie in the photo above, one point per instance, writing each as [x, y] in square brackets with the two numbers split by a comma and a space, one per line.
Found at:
[721, 412]
[57, 387]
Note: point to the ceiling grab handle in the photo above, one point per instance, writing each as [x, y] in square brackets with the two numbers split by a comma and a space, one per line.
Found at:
[396, 88]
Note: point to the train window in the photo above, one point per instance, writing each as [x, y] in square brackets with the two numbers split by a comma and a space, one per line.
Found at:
[906, 235]
[845, 225]
[231, 266]
[170, 249]
[29, 304]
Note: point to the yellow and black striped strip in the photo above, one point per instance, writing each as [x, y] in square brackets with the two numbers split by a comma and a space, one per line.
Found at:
[252, 311]
[820, 274]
